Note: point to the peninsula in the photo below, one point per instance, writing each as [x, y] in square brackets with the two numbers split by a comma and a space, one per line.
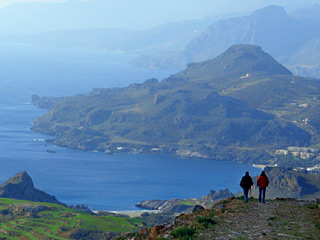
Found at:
[240, 106]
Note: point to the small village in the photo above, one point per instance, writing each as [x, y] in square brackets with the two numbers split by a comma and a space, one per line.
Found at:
[301, 152]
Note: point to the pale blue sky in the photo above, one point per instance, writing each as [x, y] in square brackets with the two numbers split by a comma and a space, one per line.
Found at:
[41, 15]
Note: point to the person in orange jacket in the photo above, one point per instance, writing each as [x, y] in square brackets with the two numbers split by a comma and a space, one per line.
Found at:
[262, 182]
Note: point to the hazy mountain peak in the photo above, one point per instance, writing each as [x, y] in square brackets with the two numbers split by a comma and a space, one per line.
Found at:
[270, 12]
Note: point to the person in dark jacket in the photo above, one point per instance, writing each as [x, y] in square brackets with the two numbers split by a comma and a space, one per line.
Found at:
[262, 182]
[246, 183]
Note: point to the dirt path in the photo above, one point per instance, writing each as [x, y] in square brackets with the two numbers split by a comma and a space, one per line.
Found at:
[281, 219]
[234, 219]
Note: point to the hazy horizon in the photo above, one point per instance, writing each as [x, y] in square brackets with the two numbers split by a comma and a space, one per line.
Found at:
[33, 16]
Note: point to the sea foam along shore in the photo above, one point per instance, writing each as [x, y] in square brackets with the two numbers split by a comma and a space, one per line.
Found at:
[261, 166]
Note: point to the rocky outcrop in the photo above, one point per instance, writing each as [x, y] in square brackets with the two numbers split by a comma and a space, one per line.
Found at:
[172, 206]
[152, 204]
[188, 205]
[21, 187]
[214, 196]
[46, 102]
[23, 210]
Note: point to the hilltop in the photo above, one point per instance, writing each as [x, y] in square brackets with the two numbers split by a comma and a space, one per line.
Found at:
[232, 219]
[196, 112]
[21, 187]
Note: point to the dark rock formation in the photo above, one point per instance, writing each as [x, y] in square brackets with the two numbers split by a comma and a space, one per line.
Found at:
[214, 196]
[21, 187]
[197, 208]
[81, 207]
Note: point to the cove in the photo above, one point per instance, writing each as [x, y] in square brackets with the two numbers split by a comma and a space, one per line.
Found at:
[102, 182]
[105, 182]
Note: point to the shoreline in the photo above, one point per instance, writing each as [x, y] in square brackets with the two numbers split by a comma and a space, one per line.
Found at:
[132, 213]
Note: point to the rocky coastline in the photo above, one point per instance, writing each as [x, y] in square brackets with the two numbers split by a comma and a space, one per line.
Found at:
[218, 109]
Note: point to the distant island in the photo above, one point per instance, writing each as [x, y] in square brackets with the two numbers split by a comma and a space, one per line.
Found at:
[240, 106]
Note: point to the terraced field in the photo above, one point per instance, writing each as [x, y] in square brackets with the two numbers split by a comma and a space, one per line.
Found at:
[30, 220]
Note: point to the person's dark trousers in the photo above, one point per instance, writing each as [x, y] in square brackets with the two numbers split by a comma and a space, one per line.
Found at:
[245, 193]
[263, 192]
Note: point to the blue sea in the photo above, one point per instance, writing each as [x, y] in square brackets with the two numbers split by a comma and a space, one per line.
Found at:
[102, 182]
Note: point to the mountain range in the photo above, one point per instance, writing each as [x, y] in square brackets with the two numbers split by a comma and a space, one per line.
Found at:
[167, 37]
[293, 41]
[237, 106]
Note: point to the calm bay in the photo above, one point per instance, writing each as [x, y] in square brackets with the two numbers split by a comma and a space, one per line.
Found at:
[103, 182]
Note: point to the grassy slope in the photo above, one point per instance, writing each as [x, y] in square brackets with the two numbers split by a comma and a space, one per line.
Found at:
[56, 222]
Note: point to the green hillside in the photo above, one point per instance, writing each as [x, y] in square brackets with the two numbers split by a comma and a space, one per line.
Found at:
[31, 220]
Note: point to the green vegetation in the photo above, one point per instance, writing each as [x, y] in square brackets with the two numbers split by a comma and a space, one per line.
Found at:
[184, 233]
[272, 218]
[45, 220]
[318, 225]
[206, 221]
[188, 203]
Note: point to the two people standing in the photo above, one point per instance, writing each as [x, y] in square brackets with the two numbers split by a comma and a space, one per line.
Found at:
[262, 182]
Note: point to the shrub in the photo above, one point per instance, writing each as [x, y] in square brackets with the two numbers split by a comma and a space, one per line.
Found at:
[272, 218]
[206, 221]
[241, 198]
[183, 232]
[318, 225]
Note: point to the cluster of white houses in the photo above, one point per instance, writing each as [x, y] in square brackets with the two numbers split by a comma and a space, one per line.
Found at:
[301, 152]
